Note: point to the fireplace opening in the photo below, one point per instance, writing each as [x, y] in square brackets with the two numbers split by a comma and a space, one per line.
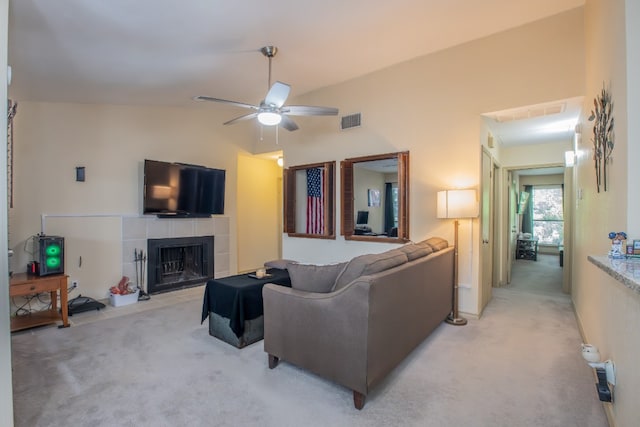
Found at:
[177, 263]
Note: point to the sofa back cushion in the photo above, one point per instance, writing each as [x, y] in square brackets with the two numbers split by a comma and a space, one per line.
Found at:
[314, 278]
[369, 264]
[280, 264]
[436, 243]
[414, 251]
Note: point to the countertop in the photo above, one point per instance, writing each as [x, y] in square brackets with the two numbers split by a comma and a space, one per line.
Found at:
[625, 270]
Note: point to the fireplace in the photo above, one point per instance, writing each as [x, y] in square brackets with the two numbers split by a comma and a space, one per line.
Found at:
[177, 263]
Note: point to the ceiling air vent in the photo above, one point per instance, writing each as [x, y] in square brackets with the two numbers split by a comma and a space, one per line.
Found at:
[351, 121]
[540, 110]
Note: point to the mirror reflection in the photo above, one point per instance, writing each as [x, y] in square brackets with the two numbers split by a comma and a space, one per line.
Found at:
[376, 197]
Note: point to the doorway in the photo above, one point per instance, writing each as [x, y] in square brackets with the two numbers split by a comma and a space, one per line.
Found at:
[524, 139]
[537, 219]
[259, 210]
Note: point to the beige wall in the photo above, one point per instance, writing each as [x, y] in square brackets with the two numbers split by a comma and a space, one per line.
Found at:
[535, 154]
[431, 106]
[111, 142]
[632, 15]
[607, 311]
[6, 391]
[259, 211]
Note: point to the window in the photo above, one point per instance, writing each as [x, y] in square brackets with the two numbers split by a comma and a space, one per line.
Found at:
[548, 220]
[394, 199]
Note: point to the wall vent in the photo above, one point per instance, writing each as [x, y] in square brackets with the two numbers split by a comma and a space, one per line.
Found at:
[351, 121]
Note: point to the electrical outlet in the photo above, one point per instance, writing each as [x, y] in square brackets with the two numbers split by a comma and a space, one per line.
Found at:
[74, 284]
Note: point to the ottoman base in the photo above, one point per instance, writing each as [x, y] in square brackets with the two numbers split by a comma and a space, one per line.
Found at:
[219, 328]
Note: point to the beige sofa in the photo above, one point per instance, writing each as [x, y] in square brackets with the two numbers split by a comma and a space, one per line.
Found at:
[376, 311]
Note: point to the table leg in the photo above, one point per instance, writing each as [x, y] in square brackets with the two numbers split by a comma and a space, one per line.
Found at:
[54, 300]
[64, 304]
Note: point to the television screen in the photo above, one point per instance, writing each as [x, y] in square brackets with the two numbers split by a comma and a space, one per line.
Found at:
[362, 218]
[175, 189]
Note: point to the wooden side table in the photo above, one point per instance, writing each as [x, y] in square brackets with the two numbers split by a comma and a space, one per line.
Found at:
[22, 284]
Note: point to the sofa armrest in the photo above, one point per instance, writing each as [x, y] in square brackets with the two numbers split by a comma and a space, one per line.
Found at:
[325, 333]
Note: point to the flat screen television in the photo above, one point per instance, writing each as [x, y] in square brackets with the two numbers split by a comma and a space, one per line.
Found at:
[362, 218]
[182, 190]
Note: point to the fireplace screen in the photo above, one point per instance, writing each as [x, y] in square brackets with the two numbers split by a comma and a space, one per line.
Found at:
[179, 262]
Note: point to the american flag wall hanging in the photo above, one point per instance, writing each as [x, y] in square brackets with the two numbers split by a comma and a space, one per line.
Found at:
[315, 201]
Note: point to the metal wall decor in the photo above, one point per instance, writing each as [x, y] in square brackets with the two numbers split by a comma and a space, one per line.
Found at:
[603, 135]
[12, 109]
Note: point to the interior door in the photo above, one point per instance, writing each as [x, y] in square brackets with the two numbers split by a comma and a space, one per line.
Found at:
[512, 223]
[495, 203]
[6, 390]
[486, 220]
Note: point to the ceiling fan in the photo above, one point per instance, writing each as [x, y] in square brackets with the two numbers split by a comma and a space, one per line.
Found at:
[272, 111]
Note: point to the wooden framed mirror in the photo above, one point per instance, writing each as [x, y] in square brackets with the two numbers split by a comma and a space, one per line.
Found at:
[309, 200]
[375, 198]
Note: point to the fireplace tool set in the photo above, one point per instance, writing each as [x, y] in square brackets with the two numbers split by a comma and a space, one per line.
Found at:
[140, 258]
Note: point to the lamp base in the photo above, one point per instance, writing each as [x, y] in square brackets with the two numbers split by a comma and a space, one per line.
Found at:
[457, 321]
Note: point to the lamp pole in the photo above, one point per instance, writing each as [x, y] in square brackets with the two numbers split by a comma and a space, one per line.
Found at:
[453, 318]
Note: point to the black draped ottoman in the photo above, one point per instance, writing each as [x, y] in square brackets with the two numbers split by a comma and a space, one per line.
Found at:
[234, 306]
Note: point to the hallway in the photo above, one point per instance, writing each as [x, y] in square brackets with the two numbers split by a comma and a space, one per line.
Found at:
[543, 276]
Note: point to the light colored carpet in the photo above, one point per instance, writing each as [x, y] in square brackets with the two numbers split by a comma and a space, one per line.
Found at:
[519, 365]
[541, 276]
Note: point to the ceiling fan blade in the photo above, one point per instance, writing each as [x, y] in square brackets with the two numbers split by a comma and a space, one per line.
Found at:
[307, 110]
[241, 118]
[225, 101]
[278, 94]
[288, 124]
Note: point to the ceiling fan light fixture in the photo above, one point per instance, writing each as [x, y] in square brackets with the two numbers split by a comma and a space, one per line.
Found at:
[272, 110]
[269, 118]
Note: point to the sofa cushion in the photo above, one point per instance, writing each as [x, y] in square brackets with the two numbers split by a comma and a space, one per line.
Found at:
[369, 264]
[314, 278]
[280, 264]
[414, 251]
[436, 243]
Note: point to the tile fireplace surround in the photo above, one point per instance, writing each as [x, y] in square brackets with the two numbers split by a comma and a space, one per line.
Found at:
[136, 231]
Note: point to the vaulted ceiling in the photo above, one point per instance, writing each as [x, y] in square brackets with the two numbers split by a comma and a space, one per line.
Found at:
[164, 52]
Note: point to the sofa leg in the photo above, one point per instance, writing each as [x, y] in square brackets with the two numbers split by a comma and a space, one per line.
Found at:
[273, 361]
[358, 399]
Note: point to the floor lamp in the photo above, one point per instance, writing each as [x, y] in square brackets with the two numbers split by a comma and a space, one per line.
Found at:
[456, 204]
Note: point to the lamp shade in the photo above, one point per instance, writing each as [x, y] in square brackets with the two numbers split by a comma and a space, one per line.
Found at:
[457, 204]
